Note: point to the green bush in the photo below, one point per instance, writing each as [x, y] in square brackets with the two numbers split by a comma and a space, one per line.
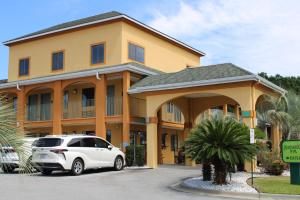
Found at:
[139, 155]
[129, 155]
[277, 168]
[259, 134]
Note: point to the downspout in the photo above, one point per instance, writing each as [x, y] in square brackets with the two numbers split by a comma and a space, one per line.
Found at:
[97, 76]
[18, 87]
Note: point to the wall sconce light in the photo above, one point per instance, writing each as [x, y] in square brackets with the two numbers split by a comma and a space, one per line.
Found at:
[75, 91]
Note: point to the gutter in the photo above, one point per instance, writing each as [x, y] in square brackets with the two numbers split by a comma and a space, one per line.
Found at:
[207, 83]
[79, 74]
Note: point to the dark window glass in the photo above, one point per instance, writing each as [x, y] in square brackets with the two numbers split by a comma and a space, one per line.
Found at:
[97, 53]
[177, 114]
[170, 107]
[108, 135]
[45, 109]
[66, 99]
[88, 142]
[24, 67]
[88, 95]
[136, 52]
[49, 142]
[101, 143]
[163, 140]
[174, 145]
[58, 60]
[76, 142]
[110, 100]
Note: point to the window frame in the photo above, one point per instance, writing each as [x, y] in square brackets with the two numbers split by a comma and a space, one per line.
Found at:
[29, 61]
[63, 67]
[138, 45]
[104, 53]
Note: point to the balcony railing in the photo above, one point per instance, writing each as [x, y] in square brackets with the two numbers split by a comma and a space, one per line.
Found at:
[79, 109]
[39, 112]
[114, 106]
[137, 107]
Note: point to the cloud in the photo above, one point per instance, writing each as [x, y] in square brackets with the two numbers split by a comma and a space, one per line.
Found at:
[260, 35]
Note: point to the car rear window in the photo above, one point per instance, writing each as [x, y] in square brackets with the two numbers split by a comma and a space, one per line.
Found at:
[49, 142]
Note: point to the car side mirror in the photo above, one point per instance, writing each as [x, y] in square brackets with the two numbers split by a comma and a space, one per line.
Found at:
[110, 147]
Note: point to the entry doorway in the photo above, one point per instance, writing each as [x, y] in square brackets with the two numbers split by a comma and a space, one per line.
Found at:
[138, 138]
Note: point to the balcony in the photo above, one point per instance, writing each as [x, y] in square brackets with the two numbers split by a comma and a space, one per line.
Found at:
[39, 112]
[79, 109]
[114, 106]
[137, 107]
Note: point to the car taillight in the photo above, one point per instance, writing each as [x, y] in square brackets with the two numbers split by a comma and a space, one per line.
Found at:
[58, 151]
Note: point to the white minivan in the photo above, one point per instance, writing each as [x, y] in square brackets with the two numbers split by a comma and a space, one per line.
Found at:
[75, 153]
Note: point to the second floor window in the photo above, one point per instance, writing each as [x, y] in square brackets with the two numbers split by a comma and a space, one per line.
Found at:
[170, 107]
[58, 60]
[24, 67]
[97, 53]
[136, 53]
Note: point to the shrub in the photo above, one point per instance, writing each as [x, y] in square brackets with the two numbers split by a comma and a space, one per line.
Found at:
[272, 164]
[139, 155]
[259, 134]
[277, 168]
[206, 171]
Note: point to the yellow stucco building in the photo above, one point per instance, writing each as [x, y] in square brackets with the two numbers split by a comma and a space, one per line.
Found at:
[115, 77]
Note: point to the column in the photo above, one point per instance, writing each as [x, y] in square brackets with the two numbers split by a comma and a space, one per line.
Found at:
[57, 108]
[237, 112]
[152, 142]
[275, 138]
[126, 109]
[21, 102]
[159, 138]
[101, 106]
[225, 110]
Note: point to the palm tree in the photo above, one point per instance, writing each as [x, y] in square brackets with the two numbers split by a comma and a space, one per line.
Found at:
[221, 141]
[10, 134]
[274, 111]
[293, 101]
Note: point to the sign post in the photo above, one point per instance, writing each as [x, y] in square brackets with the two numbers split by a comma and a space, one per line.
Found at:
[252, 141]
[291, 155]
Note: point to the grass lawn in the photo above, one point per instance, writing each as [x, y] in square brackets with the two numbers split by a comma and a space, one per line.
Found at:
[275, 185]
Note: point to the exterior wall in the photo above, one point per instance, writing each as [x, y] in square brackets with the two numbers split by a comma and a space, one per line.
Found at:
[159, 53]
[77, 48]
[78, 129]
[116, 134]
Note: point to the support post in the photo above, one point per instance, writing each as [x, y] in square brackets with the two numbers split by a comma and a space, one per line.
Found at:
[101, 106]
[21, 102]
[152, 142]
[225, 110]
[126, 109]
[57, 108]
[237, 112]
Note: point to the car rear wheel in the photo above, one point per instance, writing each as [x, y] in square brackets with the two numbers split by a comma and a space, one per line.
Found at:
[46, 171]
[77, 167]
[7, 169]
[119, 163]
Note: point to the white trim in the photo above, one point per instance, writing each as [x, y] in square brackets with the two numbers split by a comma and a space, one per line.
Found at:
[104, 20]
[206, 83]
[80, 74]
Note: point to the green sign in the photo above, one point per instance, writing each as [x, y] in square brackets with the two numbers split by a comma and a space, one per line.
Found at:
[291, 151]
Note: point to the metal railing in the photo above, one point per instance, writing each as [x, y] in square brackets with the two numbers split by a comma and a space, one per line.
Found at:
[137, 107]
[39, 112]
[79, 109]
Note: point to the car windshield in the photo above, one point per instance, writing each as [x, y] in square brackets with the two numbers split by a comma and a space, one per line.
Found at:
[49, 142]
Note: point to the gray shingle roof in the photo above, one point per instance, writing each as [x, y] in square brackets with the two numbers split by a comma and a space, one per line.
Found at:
[71, 24]
[218, 71]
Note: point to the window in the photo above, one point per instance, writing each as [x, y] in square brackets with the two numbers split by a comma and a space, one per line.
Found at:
[76, 142]
[58, 60]
[88, 142]
[97, 54]
[49, 142]
[66, 99]
[174, 142]
[177, 114]
[108, 135]
[110, 100]
[101, 143]
[24, 67]
[136, 53]
[170, 107]
[88, 95]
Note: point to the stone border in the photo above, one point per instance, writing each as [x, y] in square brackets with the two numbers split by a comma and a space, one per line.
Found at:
[181, 187]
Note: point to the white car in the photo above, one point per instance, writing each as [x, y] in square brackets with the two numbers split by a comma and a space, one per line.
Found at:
[75, 153]
[10, 160]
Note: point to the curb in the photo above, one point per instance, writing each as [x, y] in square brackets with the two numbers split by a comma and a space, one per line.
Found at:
[181, 187]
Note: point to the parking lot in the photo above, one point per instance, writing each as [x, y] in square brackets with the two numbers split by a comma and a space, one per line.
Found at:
[101, 184]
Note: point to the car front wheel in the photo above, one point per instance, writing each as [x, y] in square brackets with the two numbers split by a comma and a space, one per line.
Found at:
[119, 164]
[46, 171]
[77, 167]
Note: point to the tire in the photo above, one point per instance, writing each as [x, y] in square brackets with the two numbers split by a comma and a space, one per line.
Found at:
[77, 167]
[46, 171]
[7, 169]
[119, 163]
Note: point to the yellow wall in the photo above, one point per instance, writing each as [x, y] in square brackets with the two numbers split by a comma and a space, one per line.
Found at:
[159, 53]
[116, 134]
[77, 47]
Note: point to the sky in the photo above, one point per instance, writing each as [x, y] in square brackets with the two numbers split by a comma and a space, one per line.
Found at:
[258, 35]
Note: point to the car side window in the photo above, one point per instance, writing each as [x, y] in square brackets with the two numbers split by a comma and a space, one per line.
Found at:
[76, 142]
[101, 143]
[88, 142]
